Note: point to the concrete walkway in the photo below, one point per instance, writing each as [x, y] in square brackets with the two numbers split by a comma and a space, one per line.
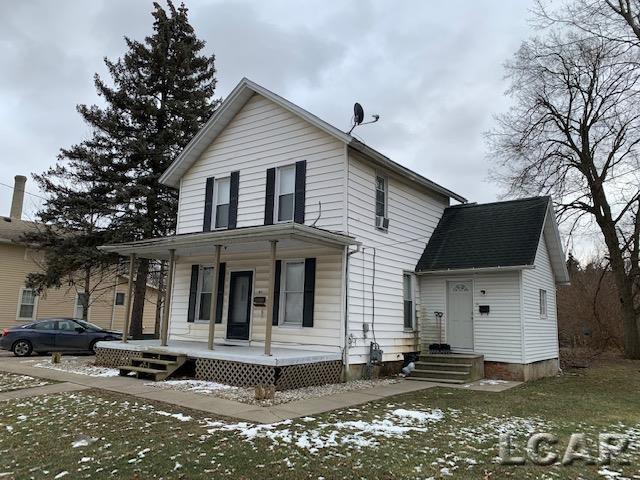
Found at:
[208, 403]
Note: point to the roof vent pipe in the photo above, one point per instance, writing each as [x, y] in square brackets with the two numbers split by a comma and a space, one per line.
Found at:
[18, 197]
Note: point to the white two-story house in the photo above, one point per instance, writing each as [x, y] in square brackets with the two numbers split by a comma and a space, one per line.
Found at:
[298, 245]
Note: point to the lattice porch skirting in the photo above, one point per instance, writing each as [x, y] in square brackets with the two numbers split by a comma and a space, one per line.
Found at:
[111, 357]
[284, 378]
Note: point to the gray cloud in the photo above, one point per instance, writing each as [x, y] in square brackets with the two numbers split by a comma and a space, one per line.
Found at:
[432, 70]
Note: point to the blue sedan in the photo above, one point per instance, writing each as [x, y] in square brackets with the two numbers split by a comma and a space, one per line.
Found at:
[54, 335]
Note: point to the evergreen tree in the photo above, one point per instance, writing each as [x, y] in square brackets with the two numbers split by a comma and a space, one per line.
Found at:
[159, 95]
[73, 224]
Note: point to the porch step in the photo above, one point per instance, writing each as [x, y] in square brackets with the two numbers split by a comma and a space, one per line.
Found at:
[449, 368]
[437, 380]
[154, 365]
[443, 374]
[443, 366]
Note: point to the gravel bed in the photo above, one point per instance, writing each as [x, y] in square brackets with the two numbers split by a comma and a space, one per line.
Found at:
[247, 394]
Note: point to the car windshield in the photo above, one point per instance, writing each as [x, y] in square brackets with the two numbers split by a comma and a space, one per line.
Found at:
[87, 325]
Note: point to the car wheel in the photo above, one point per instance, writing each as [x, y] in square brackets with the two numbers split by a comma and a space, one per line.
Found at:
[22, 348]
[92, 347]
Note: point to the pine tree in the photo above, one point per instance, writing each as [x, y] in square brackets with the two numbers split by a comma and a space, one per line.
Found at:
[72, 225]
[159, 95]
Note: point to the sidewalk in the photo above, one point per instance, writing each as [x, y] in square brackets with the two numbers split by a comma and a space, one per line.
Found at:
[209, 403]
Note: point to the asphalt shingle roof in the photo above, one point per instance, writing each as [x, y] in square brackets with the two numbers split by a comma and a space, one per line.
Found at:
[499, 234]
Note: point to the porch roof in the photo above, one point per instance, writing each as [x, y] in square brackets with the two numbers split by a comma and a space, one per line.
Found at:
[292, 234]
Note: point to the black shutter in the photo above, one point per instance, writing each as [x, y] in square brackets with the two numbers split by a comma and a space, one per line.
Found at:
[276, 293]
[309, 291]
[221, 274]
[301, 181]
[193, 292]
[269, 198]
[233, 199]
[208, 205]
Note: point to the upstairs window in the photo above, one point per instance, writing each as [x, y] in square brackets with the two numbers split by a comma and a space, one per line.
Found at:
[407, 289]
[222, 198]
[286, 189]
[27, 306]
[381, 196]
[293, 292]
[205, 289]
[543, 303]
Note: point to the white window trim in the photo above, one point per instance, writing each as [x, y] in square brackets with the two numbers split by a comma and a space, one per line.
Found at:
[413, 302]
[214, 209]
[35, 306]
[199, 292]
[75, 303]
[543, 313]
[386, 193]
[282, 300]
[276, 203]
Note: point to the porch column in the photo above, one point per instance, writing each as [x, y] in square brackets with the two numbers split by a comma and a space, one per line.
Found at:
[270, 300]
[214, 297]
[164, 330]
[127, 303]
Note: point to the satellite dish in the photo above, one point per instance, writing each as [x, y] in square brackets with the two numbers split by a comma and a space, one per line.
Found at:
[358, 113]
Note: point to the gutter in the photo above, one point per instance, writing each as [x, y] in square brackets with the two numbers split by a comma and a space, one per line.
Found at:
[461, 271]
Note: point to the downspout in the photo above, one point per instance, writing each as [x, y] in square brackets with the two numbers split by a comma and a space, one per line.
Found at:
[346, 306]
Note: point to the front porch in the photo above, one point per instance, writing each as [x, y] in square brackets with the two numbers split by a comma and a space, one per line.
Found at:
[236, 365]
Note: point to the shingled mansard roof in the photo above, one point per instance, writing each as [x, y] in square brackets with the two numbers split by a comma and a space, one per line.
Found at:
[493, 236]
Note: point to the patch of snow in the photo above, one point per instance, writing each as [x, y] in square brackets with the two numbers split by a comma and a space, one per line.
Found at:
[605, 472]
[177, 416]
[80, 368]
[83, 442]
[61, 474]
[420, 416]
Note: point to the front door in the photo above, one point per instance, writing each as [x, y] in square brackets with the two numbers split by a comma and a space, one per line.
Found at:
[240, 284]
[460, 315]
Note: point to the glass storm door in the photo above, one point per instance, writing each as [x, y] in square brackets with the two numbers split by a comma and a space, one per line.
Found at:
[240, 284]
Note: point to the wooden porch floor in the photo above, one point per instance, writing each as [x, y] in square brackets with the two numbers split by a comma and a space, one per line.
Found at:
[234, 353]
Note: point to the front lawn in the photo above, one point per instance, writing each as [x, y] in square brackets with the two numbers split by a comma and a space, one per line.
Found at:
[439, 433]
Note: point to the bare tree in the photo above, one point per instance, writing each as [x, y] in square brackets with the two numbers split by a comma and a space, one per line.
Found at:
[573, 133]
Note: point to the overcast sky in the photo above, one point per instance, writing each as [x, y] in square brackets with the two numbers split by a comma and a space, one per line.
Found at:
[431, 69]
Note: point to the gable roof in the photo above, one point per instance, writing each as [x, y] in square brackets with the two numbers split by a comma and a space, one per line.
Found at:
[494, 235]
[234, 103]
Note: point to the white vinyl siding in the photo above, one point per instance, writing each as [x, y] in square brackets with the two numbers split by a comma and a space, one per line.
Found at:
[540, 332]
[413, 214]
[264, 135]
[328, 312]
[498, 335]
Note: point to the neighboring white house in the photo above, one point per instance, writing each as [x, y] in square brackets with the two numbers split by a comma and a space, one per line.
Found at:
[319, 239]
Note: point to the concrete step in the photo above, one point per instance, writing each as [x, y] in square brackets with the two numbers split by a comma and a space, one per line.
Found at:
[438, 380]
[442, 374]
[451, 358]
[443, 366]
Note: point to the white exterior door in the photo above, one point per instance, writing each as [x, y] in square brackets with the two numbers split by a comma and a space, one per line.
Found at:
[460, 315]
